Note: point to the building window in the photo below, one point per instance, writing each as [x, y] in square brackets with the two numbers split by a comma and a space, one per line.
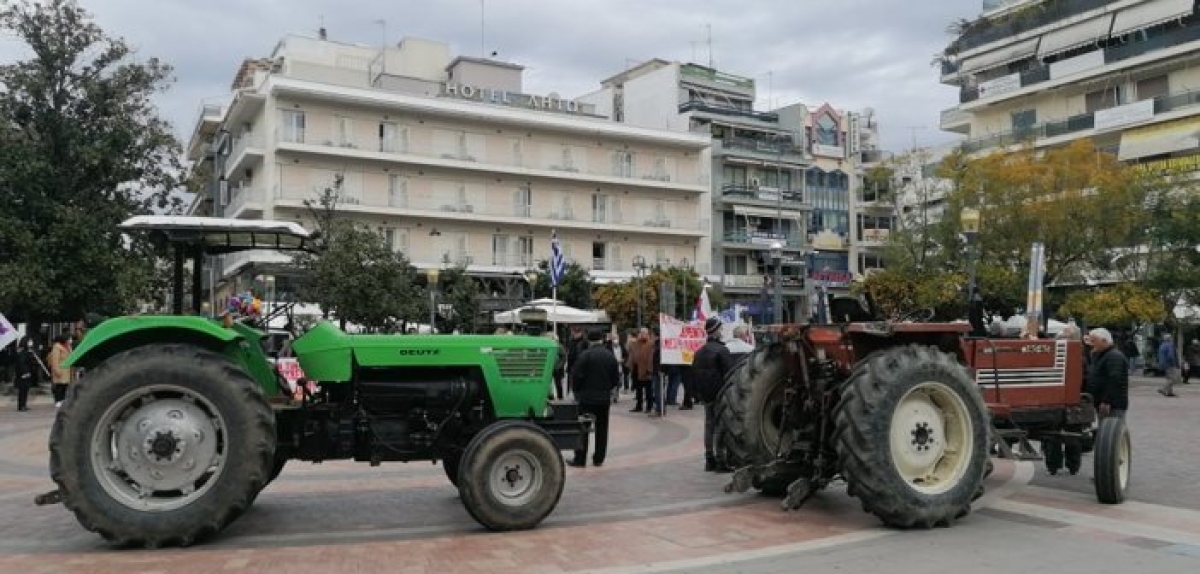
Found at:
[344, 131]
[397, 191]
[517, 155]
[827, 130]
[392, 137]
[734, 175]
[599, 208]
[599, 258]
[1103, 99]
[623, 164]
[293, 126]
[522, 200]
[500, 250]
[1153, 87]
[736, 265]
[1023, 121]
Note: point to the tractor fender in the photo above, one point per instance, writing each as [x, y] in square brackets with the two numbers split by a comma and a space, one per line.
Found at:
[120, 334]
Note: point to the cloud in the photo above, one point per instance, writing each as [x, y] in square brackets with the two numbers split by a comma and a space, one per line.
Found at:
[852, 54]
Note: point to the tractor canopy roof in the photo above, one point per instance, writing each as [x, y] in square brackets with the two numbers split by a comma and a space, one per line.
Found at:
[215, 235]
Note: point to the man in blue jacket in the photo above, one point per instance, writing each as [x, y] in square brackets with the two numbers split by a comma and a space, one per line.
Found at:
[1168, 363]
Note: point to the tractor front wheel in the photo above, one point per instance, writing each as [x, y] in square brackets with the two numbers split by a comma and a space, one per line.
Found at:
[911, 437]
[511, 476]
[1111, 459]
[161, 445]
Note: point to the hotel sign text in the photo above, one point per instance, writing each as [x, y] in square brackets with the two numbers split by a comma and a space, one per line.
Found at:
[507, 98]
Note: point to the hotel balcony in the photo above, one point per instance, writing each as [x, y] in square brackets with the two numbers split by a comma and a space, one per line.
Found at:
[761, 239]
[368, 148]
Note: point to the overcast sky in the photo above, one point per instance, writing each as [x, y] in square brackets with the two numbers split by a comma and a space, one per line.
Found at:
[853, 54]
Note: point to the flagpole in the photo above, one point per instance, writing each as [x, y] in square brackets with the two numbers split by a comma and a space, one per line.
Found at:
[554, 309]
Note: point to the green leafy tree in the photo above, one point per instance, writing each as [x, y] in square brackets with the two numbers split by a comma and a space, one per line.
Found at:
[574, 290]
[620, 300]
[81, 149]
[458, 304]
[1119, 305]
[355, 274]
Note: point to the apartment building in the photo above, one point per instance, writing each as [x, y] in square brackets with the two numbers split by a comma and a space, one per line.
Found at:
[1121, 72]
[790, 175]
[452, 162]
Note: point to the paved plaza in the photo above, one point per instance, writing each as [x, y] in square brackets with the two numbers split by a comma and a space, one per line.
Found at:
[649, 508]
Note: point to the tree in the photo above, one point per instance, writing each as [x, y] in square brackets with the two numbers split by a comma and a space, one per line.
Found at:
[459, 306]
[620, 300]
[897, 292]
[574, 290]
[355, 273]
[81, 149]
[1122, 305]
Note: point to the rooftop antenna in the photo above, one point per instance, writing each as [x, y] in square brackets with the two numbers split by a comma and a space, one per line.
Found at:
[482, 31]
[770, 90]
[708, 27]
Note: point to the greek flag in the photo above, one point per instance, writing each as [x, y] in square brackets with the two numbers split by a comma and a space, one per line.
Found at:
[558, 264]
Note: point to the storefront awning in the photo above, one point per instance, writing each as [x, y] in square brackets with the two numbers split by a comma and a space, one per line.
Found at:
[1148, 14]
[1018, 51]
[1167, 137]
[1074, 35]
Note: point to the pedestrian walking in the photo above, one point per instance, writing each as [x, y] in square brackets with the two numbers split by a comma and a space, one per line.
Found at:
[1168, 363]
[709, 367]
[593, 377]
[60, 375]
[26, 371]
[1108, 375]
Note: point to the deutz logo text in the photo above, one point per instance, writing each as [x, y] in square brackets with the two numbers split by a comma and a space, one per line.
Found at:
[419, 352]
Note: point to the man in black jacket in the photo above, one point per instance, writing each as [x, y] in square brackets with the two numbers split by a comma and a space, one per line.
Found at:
[709, 366]
[594, 375]
[1108, 375]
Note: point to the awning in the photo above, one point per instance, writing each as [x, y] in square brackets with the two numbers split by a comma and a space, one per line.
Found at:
[1148, 14]
[1018, 51]
[1074, 35]
[1161, 138]
[760, 211]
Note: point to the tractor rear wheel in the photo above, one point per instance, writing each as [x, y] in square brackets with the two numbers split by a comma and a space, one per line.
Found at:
[750, 413]
[162, 445]
[911, 437]
[1112, 459]
[511, 476]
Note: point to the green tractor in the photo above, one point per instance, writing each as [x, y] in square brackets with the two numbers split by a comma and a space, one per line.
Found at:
[180, 421]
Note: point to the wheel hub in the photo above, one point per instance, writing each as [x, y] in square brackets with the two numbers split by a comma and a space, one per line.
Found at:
[930, 437]
[158, 449]
[516, 478]
[513, 475]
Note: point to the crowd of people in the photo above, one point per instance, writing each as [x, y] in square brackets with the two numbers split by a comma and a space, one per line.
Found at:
[597, 367]
[39, 359]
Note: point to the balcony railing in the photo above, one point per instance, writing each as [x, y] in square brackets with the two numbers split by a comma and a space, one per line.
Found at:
[761, 238]
[354, 142]
[241, 195]
[523, 260]
[984, 30]
[760, 193]
[1112, 54]
[1073, 124]
[677, 215]
[697, 106]
[778, 147]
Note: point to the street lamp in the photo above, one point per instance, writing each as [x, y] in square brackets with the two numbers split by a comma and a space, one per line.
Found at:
[432, 284]
[531, 276]
[969, 218]
[686, 267]
[639, 267]
[777, 259]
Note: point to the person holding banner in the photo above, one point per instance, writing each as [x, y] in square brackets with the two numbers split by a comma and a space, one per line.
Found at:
[709, 366]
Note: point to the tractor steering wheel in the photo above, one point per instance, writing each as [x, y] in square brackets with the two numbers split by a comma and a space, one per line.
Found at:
[918, 316]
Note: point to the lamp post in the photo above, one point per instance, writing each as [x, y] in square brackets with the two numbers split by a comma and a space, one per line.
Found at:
[639, 267]
[432, 277]
[969, 219]
[686, 267]
[531, 276]
[777, 260]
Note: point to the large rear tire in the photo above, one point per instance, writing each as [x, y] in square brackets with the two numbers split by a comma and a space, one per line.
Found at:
[911, 436]
[1111, 460]
[511, 476]
[162, 445]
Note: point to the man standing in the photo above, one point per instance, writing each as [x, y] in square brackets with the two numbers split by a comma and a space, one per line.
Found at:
[641, 366]
[1192, 356]
[27, 368]
[1168, 363]
[1108, 375]
[709, 366]
[593, 377]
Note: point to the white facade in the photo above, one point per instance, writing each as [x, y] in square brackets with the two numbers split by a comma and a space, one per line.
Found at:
[452, 162]
[1120, 72]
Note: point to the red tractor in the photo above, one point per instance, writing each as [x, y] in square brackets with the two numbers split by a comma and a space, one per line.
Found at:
[906, 413]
